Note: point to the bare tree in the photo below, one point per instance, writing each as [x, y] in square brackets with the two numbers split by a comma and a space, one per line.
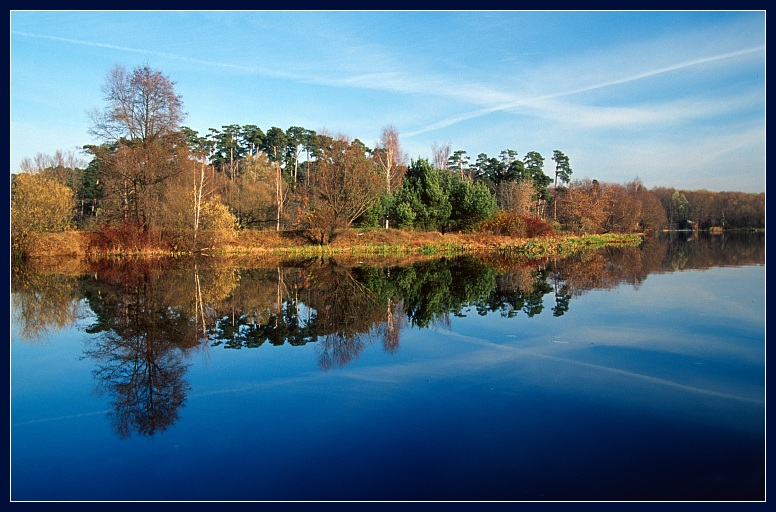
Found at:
[583, 207]
[391, 159]
[345, 185]
[141, 118]
[255, 202]
[64, 167]
[141, 105]
[515, 197]
[441, 155]
[389, 155]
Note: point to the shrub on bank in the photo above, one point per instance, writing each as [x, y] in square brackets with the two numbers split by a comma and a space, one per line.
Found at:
[125, 237]
[516, 225]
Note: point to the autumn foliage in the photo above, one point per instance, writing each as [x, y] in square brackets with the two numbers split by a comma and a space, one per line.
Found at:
[154, 185]
[517, 225]
[38, 205]
[109, 238]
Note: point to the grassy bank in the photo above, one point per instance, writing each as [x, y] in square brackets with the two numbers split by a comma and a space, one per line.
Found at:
[385, 243]
[357, 243]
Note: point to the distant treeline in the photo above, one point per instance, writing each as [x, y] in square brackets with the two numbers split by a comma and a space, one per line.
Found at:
[706, 210]
[153, 182]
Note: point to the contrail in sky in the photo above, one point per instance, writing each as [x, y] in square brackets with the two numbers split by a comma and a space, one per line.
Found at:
[435, 126]
[481, 112]
[156, 53]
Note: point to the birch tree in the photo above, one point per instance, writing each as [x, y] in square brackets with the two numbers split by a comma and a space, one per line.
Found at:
[441, 154]
[390, 158]
[274, 145]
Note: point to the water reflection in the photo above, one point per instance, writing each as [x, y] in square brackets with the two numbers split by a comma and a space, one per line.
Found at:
[44, 302]
[149, 315]
[142, 331]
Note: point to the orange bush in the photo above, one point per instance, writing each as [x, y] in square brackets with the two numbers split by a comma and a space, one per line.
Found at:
[516, 225]
[126, 237]
[537, 227]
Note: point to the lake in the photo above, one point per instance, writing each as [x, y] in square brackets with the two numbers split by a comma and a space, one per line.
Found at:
[619, 374]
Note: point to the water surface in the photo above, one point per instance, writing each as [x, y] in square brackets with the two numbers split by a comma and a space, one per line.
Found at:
[614, 375]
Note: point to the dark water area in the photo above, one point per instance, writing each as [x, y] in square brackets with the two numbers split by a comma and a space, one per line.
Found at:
[620, 374]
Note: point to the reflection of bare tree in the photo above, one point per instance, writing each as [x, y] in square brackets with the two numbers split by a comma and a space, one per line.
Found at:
[142, 334]
[521, 276]
[339, 348]
[42, 302]
[347, 312]
[310, 301]
[395, 320]
[201, 291]
[610, 267]
[683, 251]
[199, 306]
[150, 313]
[145, 377]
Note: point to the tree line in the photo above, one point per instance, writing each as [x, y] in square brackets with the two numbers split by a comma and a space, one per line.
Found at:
[154, 182]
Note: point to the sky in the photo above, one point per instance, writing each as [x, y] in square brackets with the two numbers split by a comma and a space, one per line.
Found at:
[671, 98]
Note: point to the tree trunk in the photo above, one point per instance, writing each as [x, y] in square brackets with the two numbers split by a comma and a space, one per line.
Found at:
[278, 195]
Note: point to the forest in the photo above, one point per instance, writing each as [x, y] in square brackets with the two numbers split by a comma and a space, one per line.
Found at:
[153, 182]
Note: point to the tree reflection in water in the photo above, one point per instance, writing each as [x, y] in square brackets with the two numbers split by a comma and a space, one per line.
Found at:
[150, 314]
[144, 375]
[43, 302]
[140, 344]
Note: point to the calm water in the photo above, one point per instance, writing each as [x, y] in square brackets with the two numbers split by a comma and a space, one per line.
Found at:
[615, 375]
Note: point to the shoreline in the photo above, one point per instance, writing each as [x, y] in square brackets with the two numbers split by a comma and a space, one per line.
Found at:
[354, 242]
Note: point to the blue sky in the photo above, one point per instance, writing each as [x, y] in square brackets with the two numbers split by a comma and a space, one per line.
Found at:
[674, 98]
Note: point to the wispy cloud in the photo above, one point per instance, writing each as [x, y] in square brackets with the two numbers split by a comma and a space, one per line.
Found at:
[601, 85]
[666, 113]
[165, 55]
[382, 74]
[720, 161]
[346, 72]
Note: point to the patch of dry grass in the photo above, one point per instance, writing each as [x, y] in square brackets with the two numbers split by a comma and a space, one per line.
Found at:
[353, 244]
